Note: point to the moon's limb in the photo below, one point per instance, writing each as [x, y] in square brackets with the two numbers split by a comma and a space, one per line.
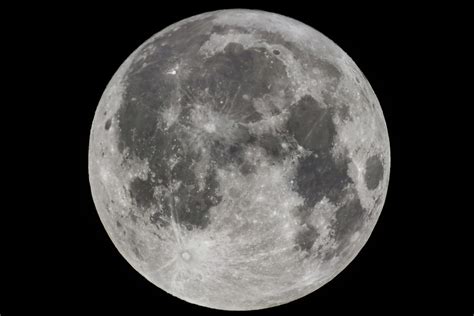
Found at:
[239, 159]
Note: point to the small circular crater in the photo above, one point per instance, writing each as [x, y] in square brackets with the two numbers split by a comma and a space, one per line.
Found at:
[108, 124]
[186, 255]
[276, 52]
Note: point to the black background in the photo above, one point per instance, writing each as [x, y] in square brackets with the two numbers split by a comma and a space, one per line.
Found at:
[70, 265]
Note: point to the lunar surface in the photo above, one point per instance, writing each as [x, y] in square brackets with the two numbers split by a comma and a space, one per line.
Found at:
[239, 159]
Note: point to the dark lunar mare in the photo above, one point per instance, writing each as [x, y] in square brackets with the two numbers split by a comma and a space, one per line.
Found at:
[142, 191]
[311, 125]
[373, 172]
[308, 234]
[148, 90]
[319, 174]
[235, 71]
[272, 145]
[350, 218]
[306, 237]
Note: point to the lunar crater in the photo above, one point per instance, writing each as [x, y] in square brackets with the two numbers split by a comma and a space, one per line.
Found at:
[242, 162]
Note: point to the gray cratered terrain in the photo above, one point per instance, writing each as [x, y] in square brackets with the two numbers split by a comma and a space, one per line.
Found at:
[239, 159]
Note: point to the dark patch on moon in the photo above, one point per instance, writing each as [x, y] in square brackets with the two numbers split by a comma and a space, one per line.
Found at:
[165, 146]
[235, 71]
[137, 125]
[322, 176]
[247, 168]
[306, 237]
[319, 174]
[182, 170]
[272, 145]
[134, 244]
[350, 218]
[373, 172]
[142, 192]
[108, 123]
[312, 125]
[224, 153]
[133, 217]
[136, 251]
[192, 208]
[241, 134]
[149, 87]
[234, 153]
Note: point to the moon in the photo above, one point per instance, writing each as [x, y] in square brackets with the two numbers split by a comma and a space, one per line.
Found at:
[239, 159]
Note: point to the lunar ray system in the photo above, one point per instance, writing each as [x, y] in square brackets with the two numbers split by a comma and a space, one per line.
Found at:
[239, 159]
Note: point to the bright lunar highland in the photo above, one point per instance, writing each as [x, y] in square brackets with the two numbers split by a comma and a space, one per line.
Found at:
[239, 159]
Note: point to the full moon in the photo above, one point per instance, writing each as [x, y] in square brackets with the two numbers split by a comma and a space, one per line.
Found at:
[239, 159]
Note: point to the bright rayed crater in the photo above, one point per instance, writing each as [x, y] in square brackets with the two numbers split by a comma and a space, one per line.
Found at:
[239, 159]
